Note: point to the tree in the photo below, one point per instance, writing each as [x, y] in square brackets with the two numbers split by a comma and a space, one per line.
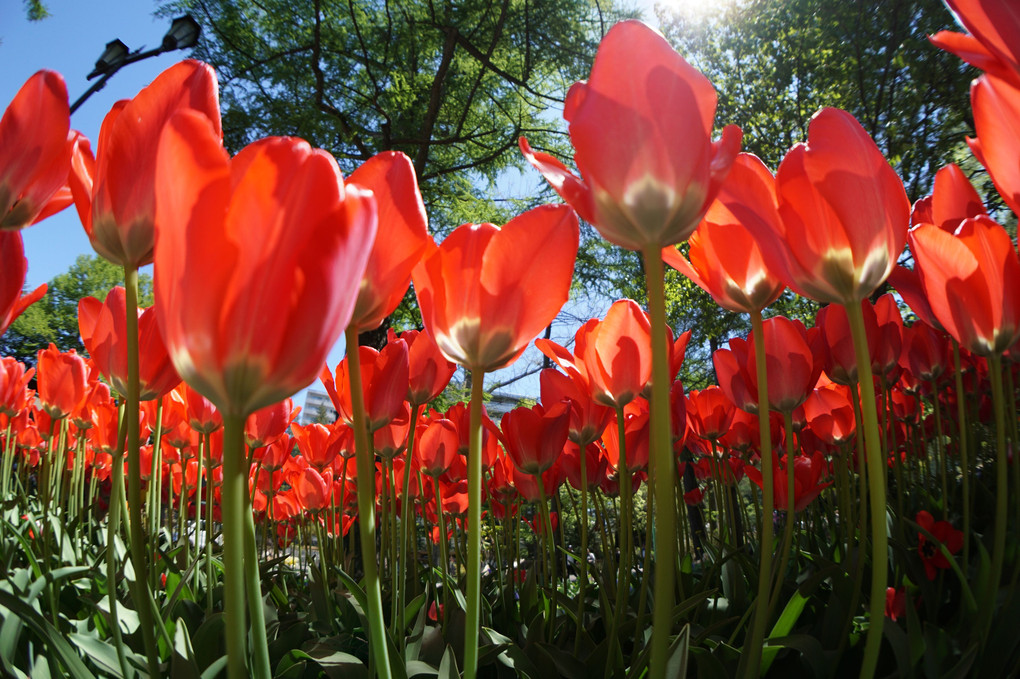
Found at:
[54, 318]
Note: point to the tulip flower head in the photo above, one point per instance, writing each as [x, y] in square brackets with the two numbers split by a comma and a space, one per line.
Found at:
[486, 291]
[257, 259]
[13, 268]
[972, 281]
[641, 128]
[844, 214]
[115, 192]
[724, 259]
[36, 143]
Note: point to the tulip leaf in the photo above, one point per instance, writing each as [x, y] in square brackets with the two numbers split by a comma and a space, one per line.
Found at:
[56, 643]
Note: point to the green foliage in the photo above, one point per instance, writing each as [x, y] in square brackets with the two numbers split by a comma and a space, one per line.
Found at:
[35, 10]
[54, 318]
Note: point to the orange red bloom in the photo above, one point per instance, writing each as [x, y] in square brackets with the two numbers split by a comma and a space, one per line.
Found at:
[257, 257]
[115, 192]
[35, 152]
[641, 128]
[486, 291]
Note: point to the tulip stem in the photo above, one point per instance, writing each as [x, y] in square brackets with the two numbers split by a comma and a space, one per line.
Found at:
[139, 560]
[474, 547]
[991, 587]
[876, 491]
[232, 506]
[365, 460]
[961, 437]
[661, 463]
[751, 656]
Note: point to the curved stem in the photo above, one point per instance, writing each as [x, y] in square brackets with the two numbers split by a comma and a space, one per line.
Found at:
[660, 464]
[232, 507]
[751, 656]
[876, 491]
[961, 433]
[474, 547]
[991, 587]
[134, 486]
[365, 460]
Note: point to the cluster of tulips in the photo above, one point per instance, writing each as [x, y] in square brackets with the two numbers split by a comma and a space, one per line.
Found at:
[262, 260]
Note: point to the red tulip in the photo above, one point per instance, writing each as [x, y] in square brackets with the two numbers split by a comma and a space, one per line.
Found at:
[115, 193]
[725, 260]
[844, 214]
[14, 381]
[993, 39]
[641, 128]
[996, 105]
[635, 439]
[709, 412]
[612, 356]
[12, 279]
[792, 361]
[428, 370]
[829, 412]
[320, 444]
[485, 292]
[952, 200]
[266, 425]
[402, 239]
[437, 447]
[944, 534]
[61, 379]
[103, 327]
[840, 361]
[256, 261]
[535, 437]
[35, 152]
[311, 488]
[384, 379]
[588, 419]
[926, 351]
[972, 281]
[808, 471]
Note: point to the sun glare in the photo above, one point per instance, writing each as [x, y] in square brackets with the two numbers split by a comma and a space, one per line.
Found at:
[693, 8]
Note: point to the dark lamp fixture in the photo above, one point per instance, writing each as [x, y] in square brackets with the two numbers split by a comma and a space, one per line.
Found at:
[111, 58]
[183, 34]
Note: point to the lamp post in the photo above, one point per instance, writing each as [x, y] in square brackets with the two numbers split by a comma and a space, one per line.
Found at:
[183, 33]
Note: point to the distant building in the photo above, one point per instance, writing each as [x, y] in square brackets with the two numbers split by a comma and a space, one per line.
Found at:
[318, 408]
[500, 404]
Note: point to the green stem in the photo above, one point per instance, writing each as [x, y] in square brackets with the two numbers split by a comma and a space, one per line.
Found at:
[660, 465]
[232, 506]
[407, 551]
[474, 549]
[584, 549]
[876, 491]
[139, 559]
[365, 460]
[751, 656]
[961, 433]
[991, 587]
[112, 528]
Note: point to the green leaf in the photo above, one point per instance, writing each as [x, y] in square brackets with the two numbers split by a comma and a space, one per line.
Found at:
[787, 619]
[46, 632]
[448, 666]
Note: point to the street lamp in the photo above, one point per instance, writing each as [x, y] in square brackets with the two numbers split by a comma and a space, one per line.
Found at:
[183, 33]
